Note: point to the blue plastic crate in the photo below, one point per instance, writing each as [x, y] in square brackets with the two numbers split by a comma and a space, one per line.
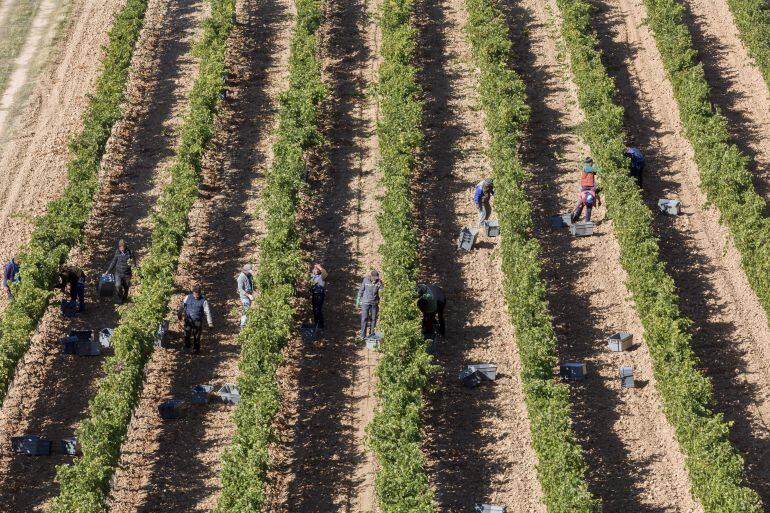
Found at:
[573, 371]
[31, 445]
[201, 393]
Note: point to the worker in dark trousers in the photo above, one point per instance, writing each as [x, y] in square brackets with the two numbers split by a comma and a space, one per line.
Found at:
[121, 265]
[431, 301]
[318, 294]
[482, 198]
[369, 300]
[636, 168]
[193, 309]
[75, 279]
[588, 198]
[11, 275]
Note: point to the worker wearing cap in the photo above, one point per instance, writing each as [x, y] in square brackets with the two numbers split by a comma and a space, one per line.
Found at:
[369, 300]
[121, 264]
[245, 290]
[193, 309]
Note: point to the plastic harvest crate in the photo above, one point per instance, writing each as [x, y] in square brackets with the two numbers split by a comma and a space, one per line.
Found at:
[573, 371]
[627, 377]
[170, 409]
[467, 238]
[31, 445]
[201, 393]
[582, 229]
[669, 207]
[105, 287]
[491, 228]
[620, 341]
[229, 393]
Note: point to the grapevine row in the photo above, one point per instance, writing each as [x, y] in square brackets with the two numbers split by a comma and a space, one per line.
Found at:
[61, 227]
[752, 17]
[714, 466]
[395, 432]
[561, 465]
[85, 484]
[271, 318]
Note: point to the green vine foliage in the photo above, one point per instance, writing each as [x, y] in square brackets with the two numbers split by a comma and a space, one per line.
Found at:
[395, 432]
[85, 484]
[714, 466]
[752, 17]
[271, 320]
[561, 464]
[61, 227]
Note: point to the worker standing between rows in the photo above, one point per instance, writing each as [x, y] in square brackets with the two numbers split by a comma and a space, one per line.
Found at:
[193, 309]
[588, 198]
[318, 294]
[482, 198]
[369, 300]
[75, 278]
[245, 282]
[121, 264]
[636, 168]
[11, 275]
[431, 302]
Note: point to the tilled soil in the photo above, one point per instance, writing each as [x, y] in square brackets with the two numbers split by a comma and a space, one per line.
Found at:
[477, 441]
[33, 162]
[321, 463]
[730, 333]
[635, 463]
[175, 465]
[737, 85]
[51, 390]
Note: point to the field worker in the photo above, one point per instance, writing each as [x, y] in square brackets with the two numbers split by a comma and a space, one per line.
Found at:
[11, 275]
[587, 199]
[245, 282]
[75, 278]
[368, 300]
[121, 266]
[318, 294]
[431, 302]
[193, 309]
[588, 175]
[482, 197]
[636, 167]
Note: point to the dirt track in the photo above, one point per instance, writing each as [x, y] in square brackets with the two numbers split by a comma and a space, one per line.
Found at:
[737, 86]
[51, 391]
[731, 334]
[321, 463]
[174, 466]
[33, 161]
[477, 441]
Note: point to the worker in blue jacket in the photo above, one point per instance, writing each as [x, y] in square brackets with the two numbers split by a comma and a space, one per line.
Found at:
[636, 168]
[482, 198]
[11, 275]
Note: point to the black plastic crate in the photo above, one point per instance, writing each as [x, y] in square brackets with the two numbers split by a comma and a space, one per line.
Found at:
[31, 445]
[105, 287]
[170, 409]
[201, 394]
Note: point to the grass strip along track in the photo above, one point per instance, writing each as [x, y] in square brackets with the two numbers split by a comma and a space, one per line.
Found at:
[84, 484]
[272, 315]
[561, 465]
[752, 17]
[714, 466]
[61, 227]
[395, 436]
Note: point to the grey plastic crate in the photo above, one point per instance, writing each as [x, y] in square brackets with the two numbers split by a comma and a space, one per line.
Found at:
[31, 445]
[86, 345]
[561, 221]
[229, 393]
[576, 371]
[70, 446]
[105, 287]
[470, 377]
[627, 377]
[374, 340]
[69, 345]
[491, 228]
[582, 229]
[105, 337]
[490, 508]
[201, 394]
[161, 334]
[309, 331]
[467, 238]
[170, 409]
[620, 341]
[669, 206]
[488, 370]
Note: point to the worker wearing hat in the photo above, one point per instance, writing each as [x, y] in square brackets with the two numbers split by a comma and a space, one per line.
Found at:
[369, 300]
[193, 309]
[121, 264]
[245, 290]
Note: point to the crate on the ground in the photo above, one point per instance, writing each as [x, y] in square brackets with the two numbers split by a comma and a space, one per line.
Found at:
[201, 394]
[582, 229]
[627, 377]
[669, 206]
[31, 445]
[105, 287]
[491, 228]
[490, 508]
[105, 337]
[229, 394]
[309, 331]
[69, 345]
[161, 333]
[561, 221]
[171, 409]
[374, 340]
[70, 446]
[467, 238]
[476, 373]
[573, 371]
[86, 344]
[620, 341]
[69, 308]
